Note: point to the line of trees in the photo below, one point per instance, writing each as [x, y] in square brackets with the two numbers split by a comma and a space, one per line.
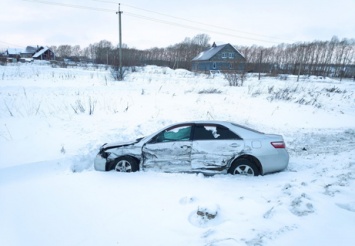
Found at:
[104, 52]
[334, 58]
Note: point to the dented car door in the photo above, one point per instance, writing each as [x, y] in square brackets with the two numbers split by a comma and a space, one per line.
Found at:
[169, 150]
[214, 146]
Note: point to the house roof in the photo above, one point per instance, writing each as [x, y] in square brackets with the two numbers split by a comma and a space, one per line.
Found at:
[40, 52]
[29, 50]
[14, 51]
[208, 54]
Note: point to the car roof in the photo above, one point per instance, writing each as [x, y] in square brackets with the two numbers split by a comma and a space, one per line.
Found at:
[240, 129]
[204, 122]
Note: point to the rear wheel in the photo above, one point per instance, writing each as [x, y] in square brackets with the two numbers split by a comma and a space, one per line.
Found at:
[125, 164]
[244, 167]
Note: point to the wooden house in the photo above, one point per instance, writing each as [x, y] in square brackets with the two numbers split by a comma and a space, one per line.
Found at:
[13, 53]
[223, 58]
[44, 53]
[29, 53]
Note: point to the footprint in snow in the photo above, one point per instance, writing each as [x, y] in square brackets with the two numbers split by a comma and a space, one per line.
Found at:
[187, 200]
[301, 206]
[269, 214]
[349, 207]
[205, 216]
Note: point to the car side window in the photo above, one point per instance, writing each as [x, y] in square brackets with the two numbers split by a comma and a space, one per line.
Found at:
[225, 133]
[179, 133]
[204, 132]
[213, 132]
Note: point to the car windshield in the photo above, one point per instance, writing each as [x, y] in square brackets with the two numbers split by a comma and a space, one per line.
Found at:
[177, 134]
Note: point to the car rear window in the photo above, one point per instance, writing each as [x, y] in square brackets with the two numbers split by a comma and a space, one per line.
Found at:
[246, 128]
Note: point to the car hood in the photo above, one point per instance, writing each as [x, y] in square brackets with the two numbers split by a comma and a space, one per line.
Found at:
[119, 144]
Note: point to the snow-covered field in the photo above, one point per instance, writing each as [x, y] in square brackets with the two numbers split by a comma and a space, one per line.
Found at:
[53, 121]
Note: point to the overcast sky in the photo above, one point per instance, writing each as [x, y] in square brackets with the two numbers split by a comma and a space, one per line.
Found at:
[160, 23]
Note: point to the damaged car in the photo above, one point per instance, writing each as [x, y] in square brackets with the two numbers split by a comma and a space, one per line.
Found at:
[208, 147]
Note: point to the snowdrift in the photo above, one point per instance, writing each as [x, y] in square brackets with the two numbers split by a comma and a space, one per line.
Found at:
[53, 121]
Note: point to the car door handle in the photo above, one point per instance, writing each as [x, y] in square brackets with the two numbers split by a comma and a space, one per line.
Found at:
[185, 146]
[234, 145]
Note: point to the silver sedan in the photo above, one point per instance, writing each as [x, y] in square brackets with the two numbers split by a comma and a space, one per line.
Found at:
[209, 147]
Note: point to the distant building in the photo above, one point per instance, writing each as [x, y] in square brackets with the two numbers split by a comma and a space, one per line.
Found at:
[44, 53]
[13, 53]
[30, 52]
[223, 58]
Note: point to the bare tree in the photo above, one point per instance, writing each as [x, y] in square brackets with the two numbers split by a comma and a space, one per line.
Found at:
[64, 51]
[325, 58]
[76, 51]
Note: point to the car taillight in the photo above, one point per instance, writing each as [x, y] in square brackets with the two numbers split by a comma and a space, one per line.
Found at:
[279, 145]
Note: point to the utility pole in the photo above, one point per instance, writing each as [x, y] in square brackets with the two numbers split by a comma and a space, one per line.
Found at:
[261, 57]
[299, 69]
[120, 42]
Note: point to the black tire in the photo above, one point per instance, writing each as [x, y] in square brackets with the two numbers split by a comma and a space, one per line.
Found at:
[244, 167]
[125, 164]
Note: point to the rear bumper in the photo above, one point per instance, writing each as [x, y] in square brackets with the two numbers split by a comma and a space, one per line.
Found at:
[100, 163]
[276, 162]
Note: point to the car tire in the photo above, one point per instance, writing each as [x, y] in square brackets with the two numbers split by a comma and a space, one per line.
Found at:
[244, 167]
[125, 164]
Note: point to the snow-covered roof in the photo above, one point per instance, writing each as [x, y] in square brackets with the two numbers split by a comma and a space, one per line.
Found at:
[27, 50]
[30, 49]
[14, 51]
[208, 54]
[40, 52]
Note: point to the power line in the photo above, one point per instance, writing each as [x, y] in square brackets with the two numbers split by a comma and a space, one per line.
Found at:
[197, 22]
[71, 5]
[192, 21]
[163, 21]
[102, 1]
[191, 27]
[3, 42]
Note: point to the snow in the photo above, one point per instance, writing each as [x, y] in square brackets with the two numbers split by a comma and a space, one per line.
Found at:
[38, 53]
[53, 121]
[14, 51]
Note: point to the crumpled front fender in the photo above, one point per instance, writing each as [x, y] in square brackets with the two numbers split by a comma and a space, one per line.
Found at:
[100, 163]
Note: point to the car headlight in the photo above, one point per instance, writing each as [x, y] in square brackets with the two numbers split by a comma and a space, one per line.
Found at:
[103, 154]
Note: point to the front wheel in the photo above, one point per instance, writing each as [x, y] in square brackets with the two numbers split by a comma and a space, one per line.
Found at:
[244, 167]
[125, 164]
